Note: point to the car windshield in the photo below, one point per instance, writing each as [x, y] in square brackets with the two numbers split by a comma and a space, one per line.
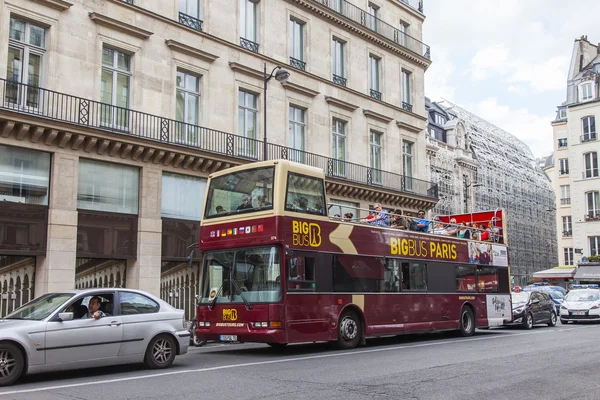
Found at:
[40, 308]
[520, 298]
[240, 192]
[583, 295]
[556, 294]
[255, 272]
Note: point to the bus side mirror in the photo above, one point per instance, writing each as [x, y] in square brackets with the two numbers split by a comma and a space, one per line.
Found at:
[190, 258]
[289, 253]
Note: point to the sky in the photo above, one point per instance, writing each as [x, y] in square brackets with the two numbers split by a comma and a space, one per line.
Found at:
[506, 61]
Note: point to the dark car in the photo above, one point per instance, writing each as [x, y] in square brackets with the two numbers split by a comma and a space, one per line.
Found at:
[531, 308]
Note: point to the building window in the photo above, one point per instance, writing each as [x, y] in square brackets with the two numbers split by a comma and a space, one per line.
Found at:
[565, 194]
[562, 142]
[562, 113]
[594, 245]
[248, 21]
[375, 159]
[182, 196]
[590, 162]
[440, 119]
[589, 129]
[115, 85]
[568, 255]
[567, 226]
[297, 44]
[373, 16]
[563, 164]
[24, 175]
[403, 32]
[188, 108]
[339, 147]
[107, 187]
[593, 204]
[26, 48]
[190, 13]
[587, 91]
[407, 164]
[374, 77]
[339, 75]
[406, 98]
[297, 133]
[247, 123]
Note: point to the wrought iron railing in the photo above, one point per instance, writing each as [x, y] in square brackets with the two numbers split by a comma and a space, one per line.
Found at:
[190, 21]
[299, 64]
[340, 80]
[84, 112]
[590, 137]
[567, 233]
[375, 94]
[407, 106]
[376, 25]
[565, 201]
[592, 215]
[249, 45]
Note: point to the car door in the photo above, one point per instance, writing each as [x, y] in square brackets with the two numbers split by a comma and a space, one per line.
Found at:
[537, 304]
[548, 307]
[84, 338]
[140, 318]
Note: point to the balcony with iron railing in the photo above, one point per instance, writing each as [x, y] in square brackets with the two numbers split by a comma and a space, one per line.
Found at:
[339, 80]
[48, 104]
[565, 201]
[298, 64]
[590, 137]
[375, 94]
[376, 25]
[406, 106]
[568, 233]
[249, 45]
[190, 21]
[592, 215]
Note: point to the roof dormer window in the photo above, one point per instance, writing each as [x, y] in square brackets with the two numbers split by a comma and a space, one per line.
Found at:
[439, 119]
[586, 91]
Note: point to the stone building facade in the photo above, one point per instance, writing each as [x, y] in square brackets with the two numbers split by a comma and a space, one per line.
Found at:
[114, 113]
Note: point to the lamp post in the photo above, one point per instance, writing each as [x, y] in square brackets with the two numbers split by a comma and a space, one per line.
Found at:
[281, 76]
[467, 197]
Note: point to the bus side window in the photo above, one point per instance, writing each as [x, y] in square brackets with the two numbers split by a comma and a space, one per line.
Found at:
[301, 273]
[414, 276]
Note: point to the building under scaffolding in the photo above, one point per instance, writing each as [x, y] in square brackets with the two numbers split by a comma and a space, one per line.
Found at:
[481, 167]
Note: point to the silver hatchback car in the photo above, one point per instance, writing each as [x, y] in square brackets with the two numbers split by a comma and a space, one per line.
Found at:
[76, 329]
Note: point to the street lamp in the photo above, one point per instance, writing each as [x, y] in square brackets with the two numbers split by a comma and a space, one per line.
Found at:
[467, 197]
[281, 76]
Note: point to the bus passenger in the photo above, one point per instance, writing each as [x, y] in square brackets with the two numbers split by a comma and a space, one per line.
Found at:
[379, 218]
[263, 201]
[246, 203]
[220, 210]
[348, 217]
[422, 224]
[464, 232]
[398, 221]
[451, 229]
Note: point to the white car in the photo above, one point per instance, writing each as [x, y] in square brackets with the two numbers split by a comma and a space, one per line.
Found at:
[581, 304]
[58, 331]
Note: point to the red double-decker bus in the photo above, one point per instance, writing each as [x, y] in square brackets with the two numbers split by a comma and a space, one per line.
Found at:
[277, 269]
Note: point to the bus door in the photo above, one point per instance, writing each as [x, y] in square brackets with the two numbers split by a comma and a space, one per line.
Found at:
[308, 274]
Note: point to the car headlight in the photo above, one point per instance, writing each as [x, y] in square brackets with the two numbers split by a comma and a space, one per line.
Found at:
[562, 307]
[595, 307]
[518, 310]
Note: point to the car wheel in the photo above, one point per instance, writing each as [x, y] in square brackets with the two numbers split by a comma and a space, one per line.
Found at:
[12, 364]
[552, 321]
[278, 346]
[528, 321]
[467, 322]
[349, 331]
[160, 352]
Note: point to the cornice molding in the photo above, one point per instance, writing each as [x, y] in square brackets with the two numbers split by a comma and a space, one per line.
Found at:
[190, 51]
[243, 69]
[409, 127]
[60, 5]
[120, 26]
[341, 103]
[377, 116]
[300, 89]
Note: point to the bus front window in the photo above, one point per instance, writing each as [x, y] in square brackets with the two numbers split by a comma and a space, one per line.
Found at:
[240, 192]
[257, 272]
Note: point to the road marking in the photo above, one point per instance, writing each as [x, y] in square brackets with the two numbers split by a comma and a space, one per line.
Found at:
[283, 360]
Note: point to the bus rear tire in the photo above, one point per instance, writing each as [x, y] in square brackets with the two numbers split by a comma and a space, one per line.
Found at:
[349, 331]
[467, 322]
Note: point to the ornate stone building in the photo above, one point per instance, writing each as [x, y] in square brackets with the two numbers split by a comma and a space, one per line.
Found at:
[113, 113]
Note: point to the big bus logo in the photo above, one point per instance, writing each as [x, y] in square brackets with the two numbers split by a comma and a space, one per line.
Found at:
[230, 314]
[307, 234]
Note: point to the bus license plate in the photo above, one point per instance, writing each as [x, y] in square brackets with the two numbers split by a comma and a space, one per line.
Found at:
[578, 312]
[228, 338]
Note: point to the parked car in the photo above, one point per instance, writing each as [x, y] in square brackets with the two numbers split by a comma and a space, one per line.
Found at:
[582, 303]
[57, 331]
[531, 308]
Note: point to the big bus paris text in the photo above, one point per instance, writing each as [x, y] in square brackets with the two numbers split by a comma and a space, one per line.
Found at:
[277, 269]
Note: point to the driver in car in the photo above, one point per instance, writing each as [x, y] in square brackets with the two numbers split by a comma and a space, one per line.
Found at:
[94, 309]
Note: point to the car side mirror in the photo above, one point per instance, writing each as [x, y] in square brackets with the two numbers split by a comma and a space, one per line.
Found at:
[65, 316]
[535, 301]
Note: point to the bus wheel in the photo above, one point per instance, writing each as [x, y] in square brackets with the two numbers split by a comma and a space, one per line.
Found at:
[349, 331]
[278, 346]
[467, 322]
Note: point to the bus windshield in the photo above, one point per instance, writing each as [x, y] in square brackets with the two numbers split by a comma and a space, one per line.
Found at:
[240, 192]
[256, 271]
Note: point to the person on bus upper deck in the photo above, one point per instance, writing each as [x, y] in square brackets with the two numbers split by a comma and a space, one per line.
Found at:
[451, 229]
[398, 221]
[263, 201]
[380, 216]
[220, 210]
[464, 232]
[422, 224]
[246, 203]
[348, 217]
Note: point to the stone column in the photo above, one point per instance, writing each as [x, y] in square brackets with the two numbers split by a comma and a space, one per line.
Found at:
[56, 270]
[144, 272]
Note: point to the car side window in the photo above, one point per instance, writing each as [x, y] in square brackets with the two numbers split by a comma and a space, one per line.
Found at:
[135, 303]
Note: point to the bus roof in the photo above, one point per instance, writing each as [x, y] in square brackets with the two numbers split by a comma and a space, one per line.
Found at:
[287, 164]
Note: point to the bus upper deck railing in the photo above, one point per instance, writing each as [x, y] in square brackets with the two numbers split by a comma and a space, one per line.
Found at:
[44, 103]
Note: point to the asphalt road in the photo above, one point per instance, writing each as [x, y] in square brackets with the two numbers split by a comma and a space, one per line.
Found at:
[545, 363]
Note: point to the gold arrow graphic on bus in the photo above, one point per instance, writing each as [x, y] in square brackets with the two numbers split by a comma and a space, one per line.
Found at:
[341, 238]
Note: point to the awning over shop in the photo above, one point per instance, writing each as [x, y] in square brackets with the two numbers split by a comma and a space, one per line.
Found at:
[588, 273]
[555, 273]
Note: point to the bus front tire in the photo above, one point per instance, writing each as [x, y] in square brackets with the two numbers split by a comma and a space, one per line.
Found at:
[467, 322]
[349, 331]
